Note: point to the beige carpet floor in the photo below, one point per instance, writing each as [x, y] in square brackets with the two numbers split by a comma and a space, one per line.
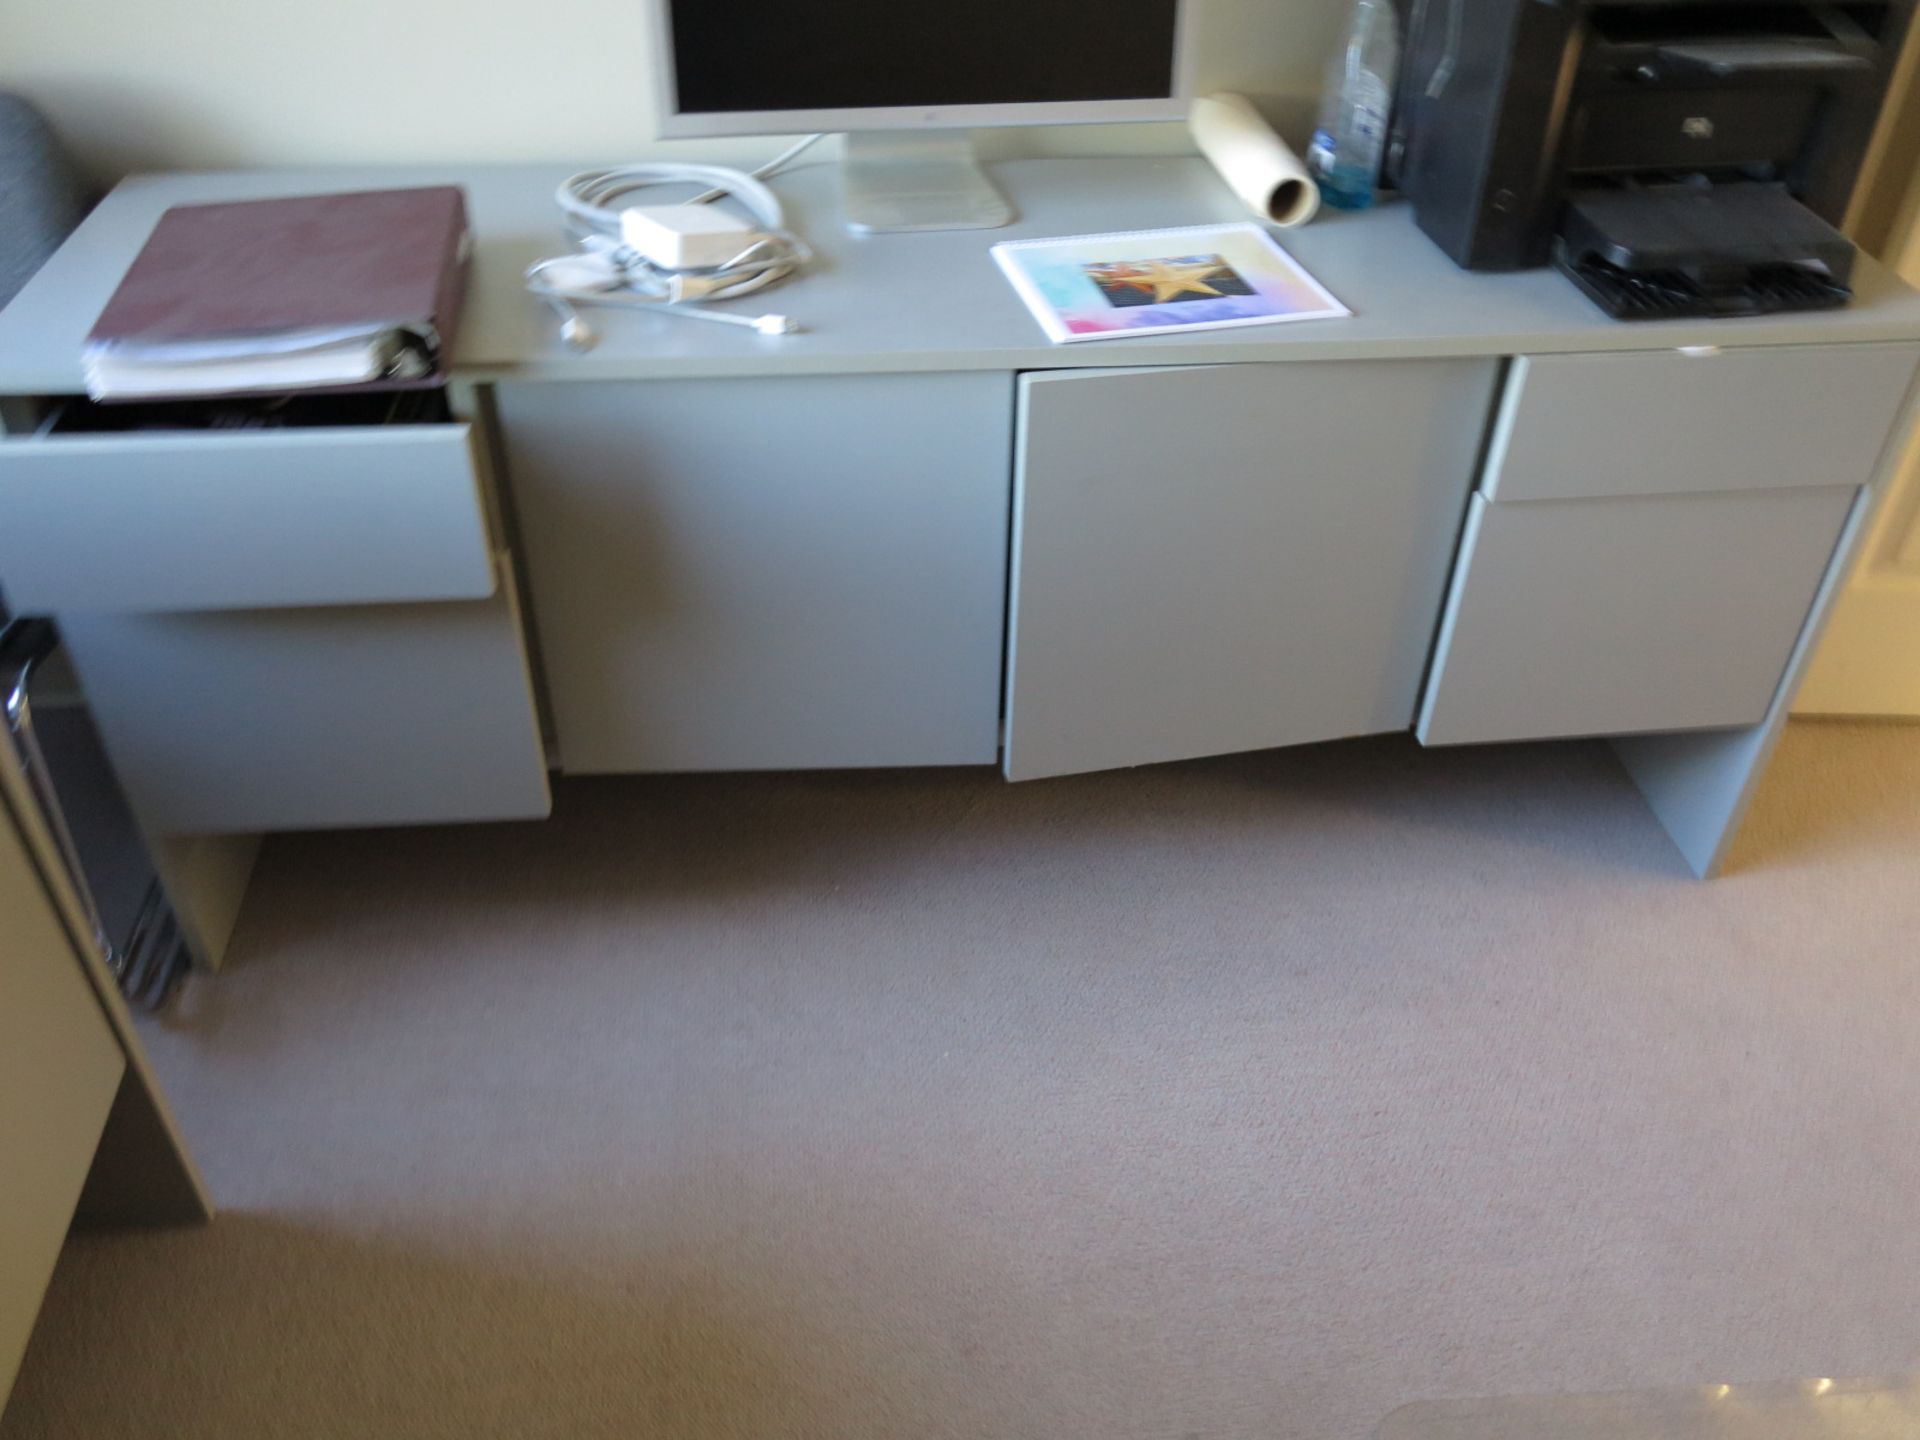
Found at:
[1248, 1098]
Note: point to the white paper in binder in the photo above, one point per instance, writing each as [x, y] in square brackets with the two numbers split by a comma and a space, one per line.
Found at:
[1255, 162]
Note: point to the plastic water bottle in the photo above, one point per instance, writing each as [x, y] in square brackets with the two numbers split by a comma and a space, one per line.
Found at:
[1352, 135]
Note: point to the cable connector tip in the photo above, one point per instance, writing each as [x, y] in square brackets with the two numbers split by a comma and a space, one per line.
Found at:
[776, 325]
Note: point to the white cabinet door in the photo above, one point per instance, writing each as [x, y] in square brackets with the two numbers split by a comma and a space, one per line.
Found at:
[746, 574]
[59, 1067]
[1216, 559]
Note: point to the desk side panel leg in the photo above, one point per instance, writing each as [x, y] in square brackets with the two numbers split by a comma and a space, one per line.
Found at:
[1702, 784]
[141, 1174]
[205, 877]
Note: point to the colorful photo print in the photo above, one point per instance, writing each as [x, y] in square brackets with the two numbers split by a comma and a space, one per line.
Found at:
[1178, 279]
[1147, 282]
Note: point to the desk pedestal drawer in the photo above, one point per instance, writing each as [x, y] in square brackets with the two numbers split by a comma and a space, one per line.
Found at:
[1616, 616]
[1667, 423]
[304, 718]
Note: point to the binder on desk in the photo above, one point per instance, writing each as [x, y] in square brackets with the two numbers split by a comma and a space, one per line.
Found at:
[356, 291]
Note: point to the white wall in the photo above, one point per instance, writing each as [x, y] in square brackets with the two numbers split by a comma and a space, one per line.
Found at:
[136, 84]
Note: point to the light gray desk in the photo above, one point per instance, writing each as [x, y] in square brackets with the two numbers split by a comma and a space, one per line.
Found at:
[928, 301]
[918, 534]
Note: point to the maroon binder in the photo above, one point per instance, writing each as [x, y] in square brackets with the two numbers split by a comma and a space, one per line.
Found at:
[263, 268]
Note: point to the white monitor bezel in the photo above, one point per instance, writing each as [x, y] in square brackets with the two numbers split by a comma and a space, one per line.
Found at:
[675, 124]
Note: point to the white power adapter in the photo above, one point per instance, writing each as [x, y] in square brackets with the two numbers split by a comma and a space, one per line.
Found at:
[670, 259]
[686, 237]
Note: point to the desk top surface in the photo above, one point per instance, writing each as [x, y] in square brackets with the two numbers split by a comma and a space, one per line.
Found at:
[924, 301]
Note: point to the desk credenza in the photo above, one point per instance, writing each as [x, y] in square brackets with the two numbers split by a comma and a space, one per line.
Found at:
[916, 534]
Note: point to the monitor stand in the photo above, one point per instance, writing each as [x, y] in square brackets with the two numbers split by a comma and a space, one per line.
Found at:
[918, 180]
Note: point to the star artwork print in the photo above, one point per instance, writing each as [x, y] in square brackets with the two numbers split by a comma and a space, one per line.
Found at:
[1146, 282]
[1167, 282]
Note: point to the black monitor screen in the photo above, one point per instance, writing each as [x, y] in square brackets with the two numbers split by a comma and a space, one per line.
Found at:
[859, 54]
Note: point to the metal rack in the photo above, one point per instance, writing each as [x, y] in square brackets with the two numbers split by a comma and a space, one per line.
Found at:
[147, 956]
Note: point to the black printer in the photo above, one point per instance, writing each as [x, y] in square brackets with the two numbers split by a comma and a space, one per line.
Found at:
[1681, 158]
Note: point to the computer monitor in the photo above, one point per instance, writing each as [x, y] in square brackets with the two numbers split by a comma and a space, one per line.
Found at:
[906, 78]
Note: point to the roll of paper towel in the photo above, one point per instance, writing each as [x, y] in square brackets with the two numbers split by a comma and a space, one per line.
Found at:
[1254, 161]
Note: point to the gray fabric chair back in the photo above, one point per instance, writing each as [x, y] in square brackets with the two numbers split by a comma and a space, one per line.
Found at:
[42, 196]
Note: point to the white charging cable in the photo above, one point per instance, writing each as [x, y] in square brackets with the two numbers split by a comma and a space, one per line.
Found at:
[608, 270]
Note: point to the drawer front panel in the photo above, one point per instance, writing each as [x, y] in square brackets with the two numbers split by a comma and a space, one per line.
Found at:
[1574, 426]
[308, 718]
[1608, 617]
[212, 521]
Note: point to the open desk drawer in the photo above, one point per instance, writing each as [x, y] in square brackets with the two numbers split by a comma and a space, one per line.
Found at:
[101, 519]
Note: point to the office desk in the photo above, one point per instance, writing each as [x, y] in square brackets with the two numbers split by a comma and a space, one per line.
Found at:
[917, 534]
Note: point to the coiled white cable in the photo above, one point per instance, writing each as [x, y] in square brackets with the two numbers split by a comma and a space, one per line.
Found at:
[607, 271]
